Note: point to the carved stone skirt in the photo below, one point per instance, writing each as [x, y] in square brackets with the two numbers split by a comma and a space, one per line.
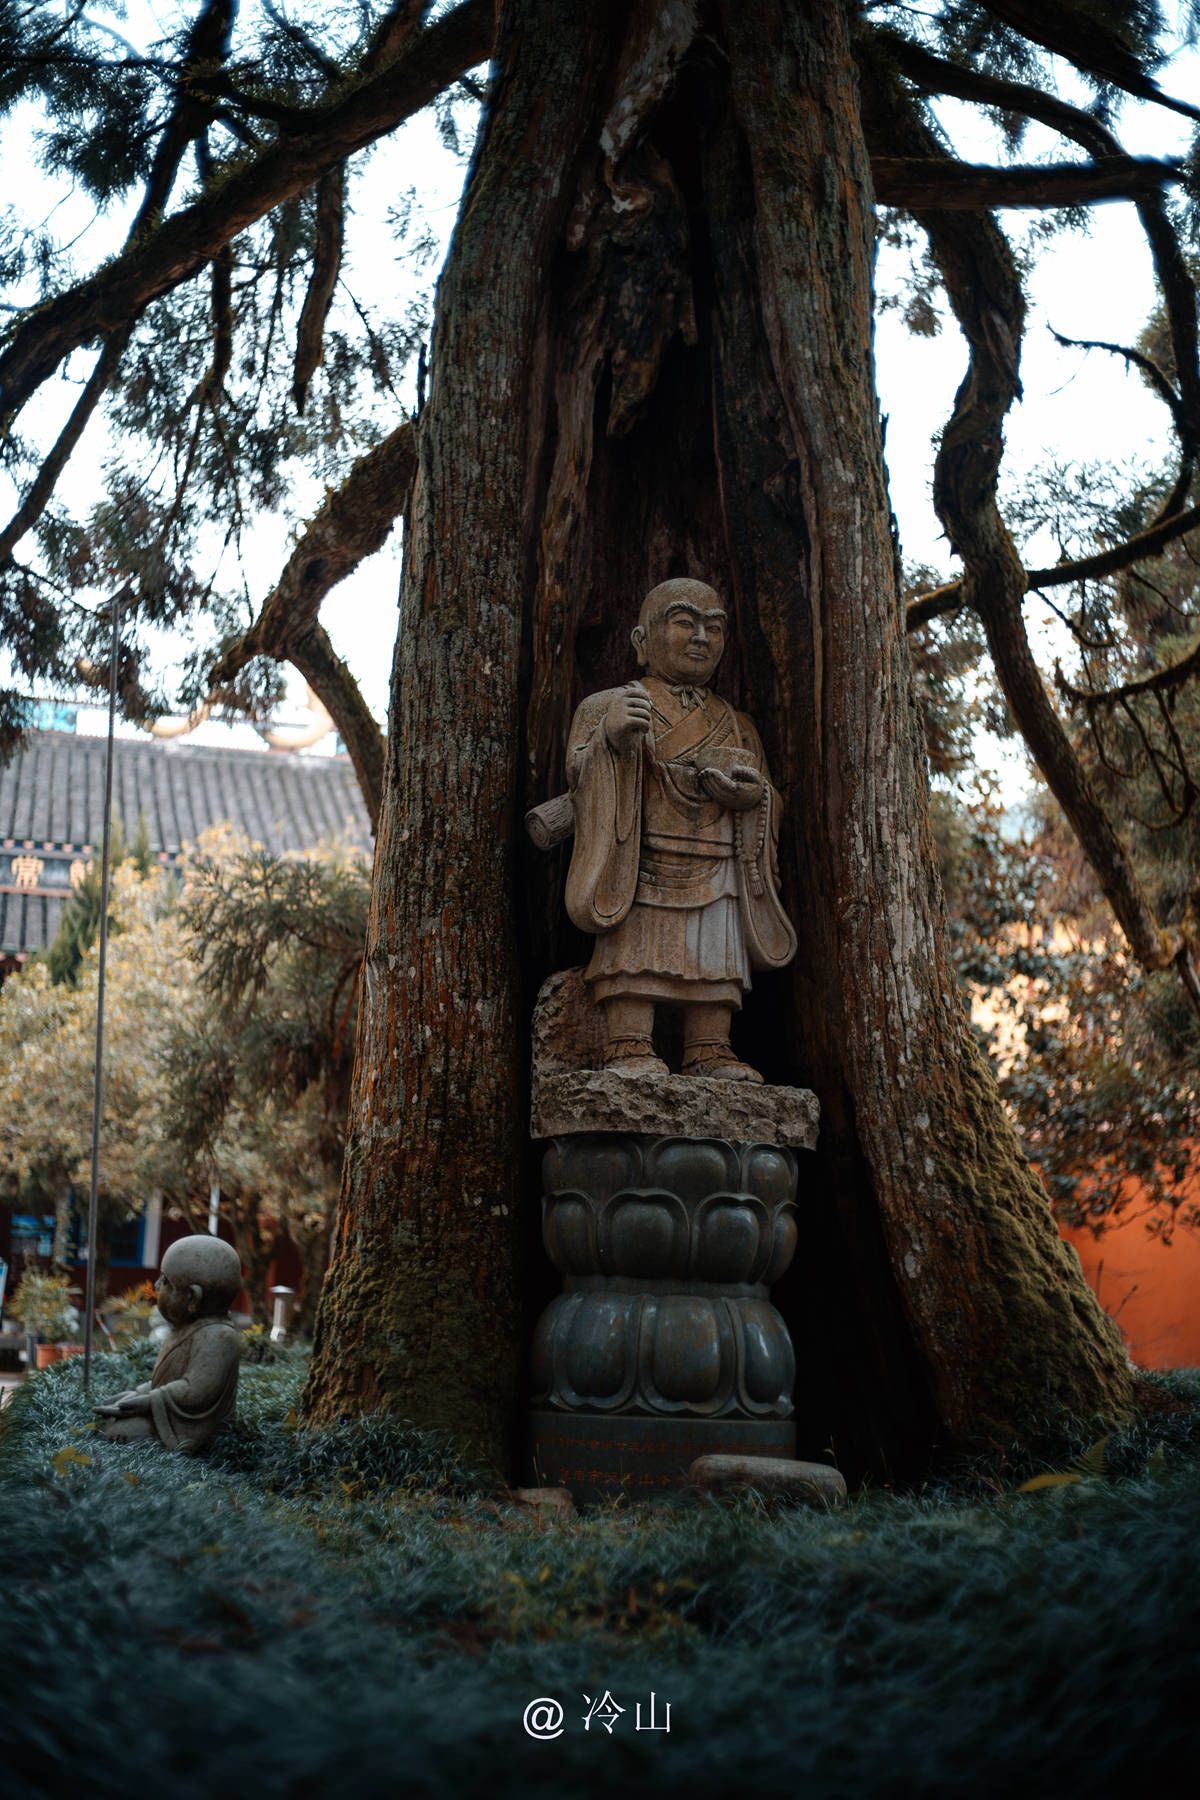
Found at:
[674, 953]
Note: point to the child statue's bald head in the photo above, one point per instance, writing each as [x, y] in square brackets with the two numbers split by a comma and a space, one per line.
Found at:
[208, 1264]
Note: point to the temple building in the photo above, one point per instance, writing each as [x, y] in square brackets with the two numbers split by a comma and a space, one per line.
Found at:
[51, 827]
[52, 809]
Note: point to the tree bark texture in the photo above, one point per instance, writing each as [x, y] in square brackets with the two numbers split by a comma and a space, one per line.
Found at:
[654, 358]
[420, 1309]
[1004, 1327]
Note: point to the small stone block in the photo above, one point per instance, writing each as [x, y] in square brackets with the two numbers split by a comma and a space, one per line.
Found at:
[546, 1502]
[796, 1483]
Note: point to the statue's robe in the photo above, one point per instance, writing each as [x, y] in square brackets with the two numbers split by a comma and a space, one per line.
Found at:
[681, 893]
[193, 1389]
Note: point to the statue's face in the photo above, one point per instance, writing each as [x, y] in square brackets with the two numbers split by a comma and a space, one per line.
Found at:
[176, 1302]
[682, 643]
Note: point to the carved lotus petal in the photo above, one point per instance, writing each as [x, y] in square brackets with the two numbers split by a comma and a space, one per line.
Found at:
[731, 1239]
[598, 1347]
[594, 1164]
[693, 1168]
[569, 1231]
[689, 1363]
[645, 1235]
[769, 1173]
[769, 1363]
[783, 1245]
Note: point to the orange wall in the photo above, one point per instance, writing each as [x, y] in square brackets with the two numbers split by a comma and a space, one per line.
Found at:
[1150, 1288]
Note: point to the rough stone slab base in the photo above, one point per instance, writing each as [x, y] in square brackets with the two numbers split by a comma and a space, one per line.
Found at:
[599, 1456]
[740, 1112]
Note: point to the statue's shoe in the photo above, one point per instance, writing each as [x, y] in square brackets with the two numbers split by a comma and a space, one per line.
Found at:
[633, 1056]
[647, 1064]
[721, 1068]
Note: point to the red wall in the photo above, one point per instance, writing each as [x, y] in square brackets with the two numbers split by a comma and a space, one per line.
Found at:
[1150, 1288]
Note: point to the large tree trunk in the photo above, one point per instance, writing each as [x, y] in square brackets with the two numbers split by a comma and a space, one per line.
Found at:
[420, 1310]
[653, 358]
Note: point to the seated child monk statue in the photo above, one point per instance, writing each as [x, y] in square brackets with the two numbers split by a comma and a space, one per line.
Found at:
[676, 823]
[194, 1385]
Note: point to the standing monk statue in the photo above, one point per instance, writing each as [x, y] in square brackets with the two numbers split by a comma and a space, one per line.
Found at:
[676, 823]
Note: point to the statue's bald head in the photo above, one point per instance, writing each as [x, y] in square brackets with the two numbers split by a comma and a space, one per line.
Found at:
[680, 633]
[682, 591]
[206, 1263]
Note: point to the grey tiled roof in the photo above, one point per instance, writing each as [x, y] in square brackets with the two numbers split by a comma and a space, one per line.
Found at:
[52, 805]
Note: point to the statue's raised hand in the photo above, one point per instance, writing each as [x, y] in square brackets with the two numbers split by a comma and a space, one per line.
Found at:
[738, 789]
[628, 717]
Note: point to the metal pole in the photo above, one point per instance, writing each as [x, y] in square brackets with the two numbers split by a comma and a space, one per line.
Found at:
[94, 1192]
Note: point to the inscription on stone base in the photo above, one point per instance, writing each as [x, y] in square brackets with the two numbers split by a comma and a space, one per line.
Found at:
[599, 1456]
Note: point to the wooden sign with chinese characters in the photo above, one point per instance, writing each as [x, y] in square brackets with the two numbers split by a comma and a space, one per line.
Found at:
[53, 869]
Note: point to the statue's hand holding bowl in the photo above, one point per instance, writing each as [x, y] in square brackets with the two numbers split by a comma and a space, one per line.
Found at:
[738, 788]
[628, 717]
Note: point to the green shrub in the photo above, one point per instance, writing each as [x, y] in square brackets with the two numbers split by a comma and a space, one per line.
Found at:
[341, 1612]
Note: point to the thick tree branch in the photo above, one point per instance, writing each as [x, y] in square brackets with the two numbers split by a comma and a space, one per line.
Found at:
[984, 288]
[1162, 681]
[934, 605]
[334, 685]
[1085, 568]
[43, 485]
[919, 183]
[175, 250]
[392, 33]
[327, 261]
[207, 45]
[937, 75]
[351, 525]
[207, 42]
[1110, 562]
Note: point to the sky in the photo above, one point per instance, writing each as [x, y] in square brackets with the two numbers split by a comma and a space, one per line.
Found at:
[1078, 405]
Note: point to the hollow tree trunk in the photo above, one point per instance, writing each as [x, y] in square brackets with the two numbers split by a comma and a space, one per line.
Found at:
[653, 358]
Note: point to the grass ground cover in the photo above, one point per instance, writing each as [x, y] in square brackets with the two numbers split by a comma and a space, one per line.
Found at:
[344, 1613]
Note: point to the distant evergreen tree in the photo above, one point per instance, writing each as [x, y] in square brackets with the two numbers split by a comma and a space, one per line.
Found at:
[79, 926]
[140, 849]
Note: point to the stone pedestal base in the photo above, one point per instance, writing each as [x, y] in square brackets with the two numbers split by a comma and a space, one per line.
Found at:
[669, 1209]
[601, 1455]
